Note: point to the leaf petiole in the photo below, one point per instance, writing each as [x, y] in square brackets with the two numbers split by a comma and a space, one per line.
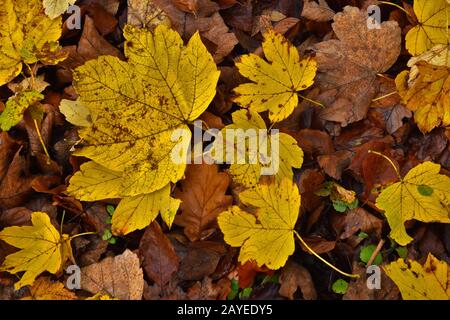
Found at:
[81, 234]
[390, 161]
[323, 260]
[395, 5]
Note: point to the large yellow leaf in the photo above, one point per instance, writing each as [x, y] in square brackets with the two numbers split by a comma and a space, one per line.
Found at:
[55, 8]
[289, 154]
[137, 105]
[428, 282]
[275, 83]
[428, 95]
[42, 249]
[26, 35]
[434, 19]
[268, 237]
[423, 194]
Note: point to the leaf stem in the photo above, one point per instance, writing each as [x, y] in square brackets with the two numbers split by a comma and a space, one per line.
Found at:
[41, 140]
[323, 260]
[390, 161]
[375, 252]
[395, 5]
[81, 234]
[385, 96]
[310, 100]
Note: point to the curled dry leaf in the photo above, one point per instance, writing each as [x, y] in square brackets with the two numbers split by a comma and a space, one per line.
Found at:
[348, 66]
[294, 277]
[119, 277]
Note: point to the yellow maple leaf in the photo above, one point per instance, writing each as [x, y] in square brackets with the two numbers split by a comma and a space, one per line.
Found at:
[26, 35]
[137, 105]
[268, 236]
[423, 194]
[288, 156]
[428, 282]
[276, 84]
[45, 289]
[134, 109]
[428, 95]
[42, 249]
[55, 8]
[434, 19]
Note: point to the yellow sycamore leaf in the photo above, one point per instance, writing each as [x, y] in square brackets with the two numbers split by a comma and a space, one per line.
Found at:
[423, 194]
[268, 236]
[274, 83]
[42, 249]
[243, 139]
[136, 106]
[428, 95]
[55, 8]
[137, 212]
[26, 35]
[16, 106]
[428, 282]
[433, 21]
[45, 289]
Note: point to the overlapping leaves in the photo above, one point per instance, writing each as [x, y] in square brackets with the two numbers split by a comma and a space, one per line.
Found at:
[135, 107]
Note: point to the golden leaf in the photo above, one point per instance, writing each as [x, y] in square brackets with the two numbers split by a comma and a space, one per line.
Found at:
[433, 17]
[42, 249]
[428, 282]
[45, 289]
[423, 194]
[26, 35]
[276, 82]
[268, 237]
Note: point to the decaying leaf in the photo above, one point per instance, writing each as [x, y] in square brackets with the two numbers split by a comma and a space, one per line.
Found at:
[16, 106]
[45, 289]
[428, 95]
[276, 82]
[119, 277]
[146, 14]
[423, 194]
[317, 11]
[432, 28]
[43, 248]
[268, 236]
[202, 195]
[348, 66]
[428, 282]
[26, 35]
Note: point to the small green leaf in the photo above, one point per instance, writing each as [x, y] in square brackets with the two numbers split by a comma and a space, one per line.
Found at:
[402, 252]
[246, 293]
[363, 235]
[340, 286]
[110, 209]
[340, 206]
[113, 240]
[353, 205]
[366, 253]
[234, 290]
[107, 235]
[425, 190]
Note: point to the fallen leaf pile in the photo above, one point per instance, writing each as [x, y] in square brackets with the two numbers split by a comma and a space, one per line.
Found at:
[224, 149]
